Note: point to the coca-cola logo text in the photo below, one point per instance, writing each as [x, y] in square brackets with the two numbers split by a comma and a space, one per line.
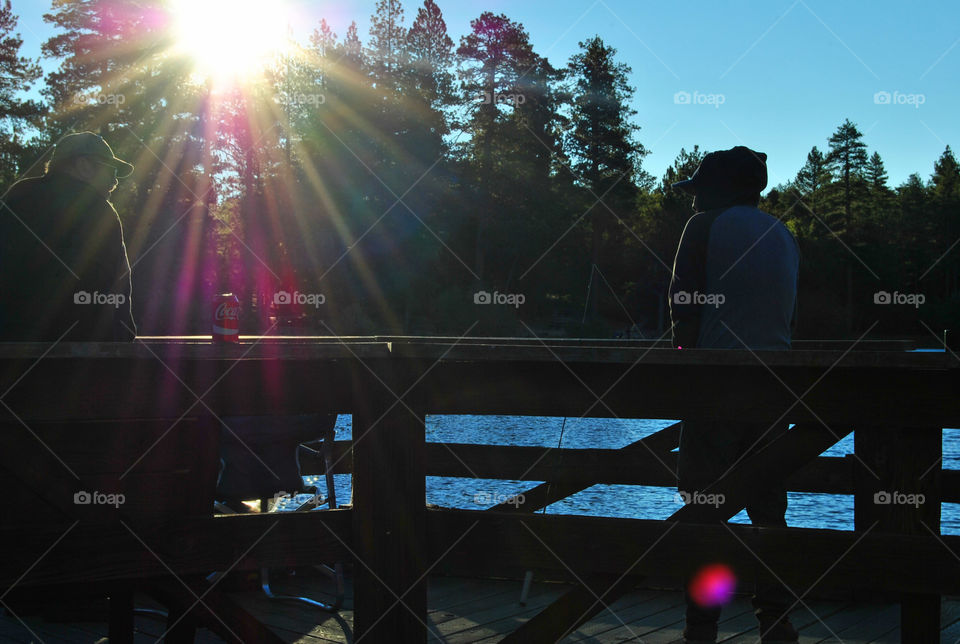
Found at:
[227, 311]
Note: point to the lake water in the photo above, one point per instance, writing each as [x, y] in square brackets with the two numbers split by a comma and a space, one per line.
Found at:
[833, 511]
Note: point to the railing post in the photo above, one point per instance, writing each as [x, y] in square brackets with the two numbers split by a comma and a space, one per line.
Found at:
[901, 493]
[389, 510]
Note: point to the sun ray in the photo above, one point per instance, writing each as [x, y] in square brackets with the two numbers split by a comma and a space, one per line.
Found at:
[230, 41]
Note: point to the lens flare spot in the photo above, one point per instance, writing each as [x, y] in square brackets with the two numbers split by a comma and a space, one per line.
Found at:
[713, 585]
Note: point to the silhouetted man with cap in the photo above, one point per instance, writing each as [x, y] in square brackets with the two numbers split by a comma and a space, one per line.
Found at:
[734, 286]
[63, 261]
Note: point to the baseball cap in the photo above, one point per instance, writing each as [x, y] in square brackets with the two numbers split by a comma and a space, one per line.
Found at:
[88, 144]
[738, 168]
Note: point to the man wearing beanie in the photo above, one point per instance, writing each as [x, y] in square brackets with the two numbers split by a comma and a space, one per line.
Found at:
[734, 286]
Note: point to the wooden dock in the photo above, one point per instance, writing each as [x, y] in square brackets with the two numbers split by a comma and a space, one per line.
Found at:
[462, 611]
[63, 403]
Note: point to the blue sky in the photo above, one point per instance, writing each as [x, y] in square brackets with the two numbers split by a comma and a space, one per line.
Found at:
[776, 75]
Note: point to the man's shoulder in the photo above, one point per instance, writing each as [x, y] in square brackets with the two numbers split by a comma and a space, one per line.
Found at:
[755, 214]
[701, 222]
[25, 188]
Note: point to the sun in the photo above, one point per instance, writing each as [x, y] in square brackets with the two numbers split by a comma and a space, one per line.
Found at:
[230, 40]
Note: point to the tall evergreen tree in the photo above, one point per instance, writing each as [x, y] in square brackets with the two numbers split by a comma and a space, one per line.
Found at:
[847, 161]
[814, 175]
[810, 183]
[431, 56]
[18, 116]
[945, 204]
[606, 154]
[492, 60]
[879, 197]
[946, 175]
[875, 173]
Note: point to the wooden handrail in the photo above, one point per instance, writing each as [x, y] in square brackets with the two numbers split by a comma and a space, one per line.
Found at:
[580, 468]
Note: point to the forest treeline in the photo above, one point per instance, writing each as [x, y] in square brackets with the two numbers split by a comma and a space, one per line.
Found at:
[400, 177]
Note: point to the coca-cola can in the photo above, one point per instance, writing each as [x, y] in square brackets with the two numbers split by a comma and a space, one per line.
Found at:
[226, 318]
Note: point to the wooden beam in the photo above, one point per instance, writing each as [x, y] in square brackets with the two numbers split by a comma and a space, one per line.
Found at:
[658, 443]
[389, 520]
[884, 388]
[898, 491]
[825, 474]
[574, 608]
[778, 459]
[564, 547]
[196, 545]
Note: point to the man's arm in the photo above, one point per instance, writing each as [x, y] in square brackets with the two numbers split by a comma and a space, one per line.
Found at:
[689, 277]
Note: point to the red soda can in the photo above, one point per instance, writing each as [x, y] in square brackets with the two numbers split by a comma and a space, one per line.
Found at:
[226, 318]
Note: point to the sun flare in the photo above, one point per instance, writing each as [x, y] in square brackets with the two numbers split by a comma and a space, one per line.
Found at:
[230, 40]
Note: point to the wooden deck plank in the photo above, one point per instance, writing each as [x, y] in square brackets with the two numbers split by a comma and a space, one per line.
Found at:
[145, 630]
[950, 617]
[625, 608]
[499, 620]
[648, 625]
[820, 631]
[950, 620]
[628, 608]
[502, 600]
[882, 620]
[741, 620]
[735, 619]
[486, 610]
[800, 617]
[297, 623]
[457, 597]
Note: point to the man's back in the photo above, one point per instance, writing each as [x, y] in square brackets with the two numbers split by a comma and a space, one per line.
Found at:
[63, 263]
[753, 260]
[735, 281]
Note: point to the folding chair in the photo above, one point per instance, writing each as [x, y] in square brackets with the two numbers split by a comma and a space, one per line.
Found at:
[260, 459]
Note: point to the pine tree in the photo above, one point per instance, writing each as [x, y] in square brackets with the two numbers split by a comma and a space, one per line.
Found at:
[18, 117]
[810, 185]
[607, 156]
[431, 56]
[847, 161]
[814, 175]
[875, 174]
[946, 175]
[879, 212]
[945, 204]
[492, 60]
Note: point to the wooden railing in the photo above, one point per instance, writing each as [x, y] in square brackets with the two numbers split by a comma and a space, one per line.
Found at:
[897, 401]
